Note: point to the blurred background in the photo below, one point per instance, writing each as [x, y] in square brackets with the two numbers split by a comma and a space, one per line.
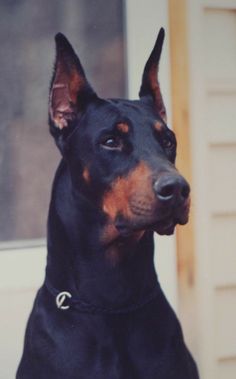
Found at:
[196, 267]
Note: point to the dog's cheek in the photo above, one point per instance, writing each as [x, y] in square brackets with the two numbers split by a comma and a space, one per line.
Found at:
[115, 200]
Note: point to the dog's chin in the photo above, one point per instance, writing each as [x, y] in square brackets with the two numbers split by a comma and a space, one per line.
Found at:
[165, 228]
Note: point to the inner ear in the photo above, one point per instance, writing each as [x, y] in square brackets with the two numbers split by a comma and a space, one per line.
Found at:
[70, 90]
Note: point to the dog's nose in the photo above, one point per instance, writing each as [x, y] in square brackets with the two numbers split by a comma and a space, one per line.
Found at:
[171, 187]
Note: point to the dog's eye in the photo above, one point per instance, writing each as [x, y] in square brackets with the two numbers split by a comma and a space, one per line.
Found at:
[167, 143]
[112, 143]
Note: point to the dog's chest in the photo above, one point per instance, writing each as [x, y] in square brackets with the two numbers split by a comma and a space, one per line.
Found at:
[115, 347]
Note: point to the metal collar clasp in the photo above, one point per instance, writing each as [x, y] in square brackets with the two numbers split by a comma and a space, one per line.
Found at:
[61, 298]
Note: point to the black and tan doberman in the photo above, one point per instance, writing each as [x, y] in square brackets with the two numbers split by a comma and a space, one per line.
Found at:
[101, 313]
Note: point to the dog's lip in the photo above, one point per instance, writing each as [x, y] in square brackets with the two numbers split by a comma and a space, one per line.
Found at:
[165, 225]
[125, 229]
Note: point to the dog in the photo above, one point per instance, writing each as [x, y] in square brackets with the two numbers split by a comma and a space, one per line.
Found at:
[101, 312]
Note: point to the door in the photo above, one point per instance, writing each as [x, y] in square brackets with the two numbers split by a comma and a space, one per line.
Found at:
[212, 58]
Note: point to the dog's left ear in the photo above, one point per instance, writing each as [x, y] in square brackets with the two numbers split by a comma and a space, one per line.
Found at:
[150, 84]
[70, 91]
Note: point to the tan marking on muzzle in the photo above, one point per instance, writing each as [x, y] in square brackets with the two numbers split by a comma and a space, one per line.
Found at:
[116, 200]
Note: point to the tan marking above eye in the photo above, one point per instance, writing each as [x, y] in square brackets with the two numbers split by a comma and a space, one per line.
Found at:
[117, 199]
[86, 175]
[123, 127]
[158, 126]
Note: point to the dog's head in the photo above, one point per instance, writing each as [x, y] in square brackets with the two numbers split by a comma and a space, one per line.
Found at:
[120, 153]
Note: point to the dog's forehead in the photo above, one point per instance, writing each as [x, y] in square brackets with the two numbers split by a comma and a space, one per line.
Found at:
[113, 111]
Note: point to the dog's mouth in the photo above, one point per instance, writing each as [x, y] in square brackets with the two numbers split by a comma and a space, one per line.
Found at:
[167, 227]
[163, 226]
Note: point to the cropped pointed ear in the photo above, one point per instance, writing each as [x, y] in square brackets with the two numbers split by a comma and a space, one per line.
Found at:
[70, 91]
[150, 84]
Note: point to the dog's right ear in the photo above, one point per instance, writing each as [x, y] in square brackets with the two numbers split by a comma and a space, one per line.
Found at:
[70, 91]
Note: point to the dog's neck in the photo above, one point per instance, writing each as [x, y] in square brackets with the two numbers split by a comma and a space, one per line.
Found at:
[78, 261]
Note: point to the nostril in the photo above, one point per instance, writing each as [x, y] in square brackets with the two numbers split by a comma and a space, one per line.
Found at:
[166, 191]
[172, 188]
[185, 191]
